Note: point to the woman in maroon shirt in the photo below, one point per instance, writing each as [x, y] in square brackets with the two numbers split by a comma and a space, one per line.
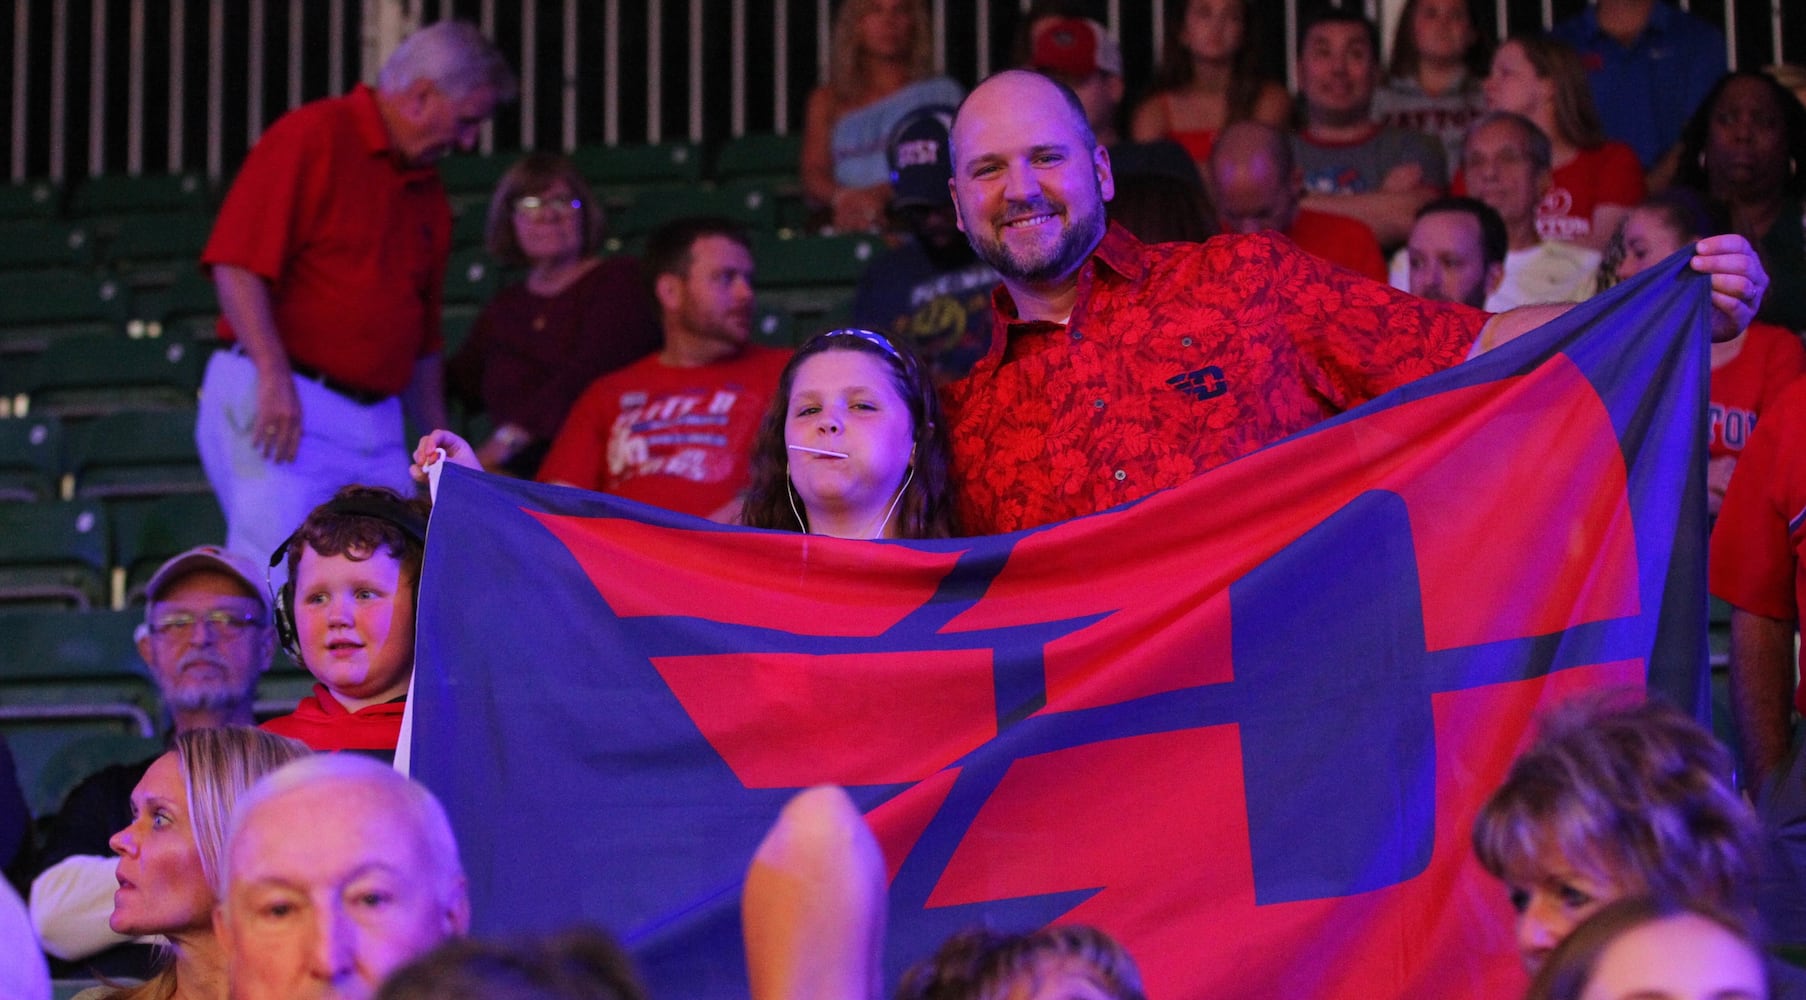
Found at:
[538, 344]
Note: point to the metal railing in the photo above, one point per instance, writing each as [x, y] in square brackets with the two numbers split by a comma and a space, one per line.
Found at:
[151, 86]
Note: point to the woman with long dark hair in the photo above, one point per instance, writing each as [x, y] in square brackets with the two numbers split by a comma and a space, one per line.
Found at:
[853, 446]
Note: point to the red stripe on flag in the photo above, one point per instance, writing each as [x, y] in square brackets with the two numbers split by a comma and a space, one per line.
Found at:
[785, 720]
[743, 578]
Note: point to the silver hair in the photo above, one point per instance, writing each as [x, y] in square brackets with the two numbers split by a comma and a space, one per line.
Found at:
[1536, 143]
[455, 56]
[419, 810]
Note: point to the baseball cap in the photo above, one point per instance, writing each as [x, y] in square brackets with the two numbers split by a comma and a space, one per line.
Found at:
[919, 167]
[214, 559]
[1075, 47]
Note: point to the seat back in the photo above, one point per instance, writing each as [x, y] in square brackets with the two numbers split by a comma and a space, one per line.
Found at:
[54, 554]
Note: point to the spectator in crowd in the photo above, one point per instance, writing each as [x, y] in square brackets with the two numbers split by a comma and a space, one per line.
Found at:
[1156, 208]
[1079, 52]
[1755, 566]
[1063, 960]
[1038, 13]
[813, 915]
[1643, 947]
[674, 429]
[1650, 64]
[206, 639]
[1209, 77]
[812, 908]
[1748, 371]
[932, 291]
[1616, 798]
[347, 615]
[1507, 167]
[855, 433]
[338, 872]
[1456, 252]
[329, 257]
[24, 975]
[1256, 186]
[538, 344]
[1352, 165]
[879, 70]
[1166, 346]
[170, 854]
[1595, 180]
[1433, 81]
[1791, 76]
[1745, 151]
[23, 971]
[15, 814]
[575, 965]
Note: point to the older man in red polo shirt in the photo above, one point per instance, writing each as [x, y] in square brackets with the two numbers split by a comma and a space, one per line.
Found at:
[329, 256]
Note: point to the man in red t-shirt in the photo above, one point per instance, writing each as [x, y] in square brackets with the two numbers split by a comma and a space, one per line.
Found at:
[675, 429]
[1118, 369]
[1756, 566]
[329, 257]
[1256, 185]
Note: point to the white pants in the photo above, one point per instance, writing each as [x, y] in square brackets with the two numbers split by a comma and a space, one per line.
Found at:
[342, 442]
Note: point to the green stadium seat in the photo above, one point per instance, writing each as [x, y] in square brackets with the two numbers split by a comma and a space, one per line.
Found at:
[31, 459]
[471, 277]
[91, 376]
[39, 199]
[68, 677]
[617, 170]
[153, 249]
[762, 156]
[131, 194]
[809, 261]
[38, 308]
[455, 322]
[71, 763]
[812, 278]
[54, 554]
[774, 328]
[37, 244]
[474, 173]
[752, 207]
[146, 533]
[186, 309]
[133, 454]
[470, 224]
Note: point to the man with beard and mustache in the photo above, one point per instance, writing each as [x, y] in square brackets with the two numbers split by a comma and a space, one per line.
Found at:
[1118, 368]
[675, 429]
[206, 639]
[932, 291]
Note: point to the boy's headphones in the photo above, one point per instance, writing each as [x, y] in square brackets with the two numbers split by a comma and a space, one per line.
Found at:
[282, 601]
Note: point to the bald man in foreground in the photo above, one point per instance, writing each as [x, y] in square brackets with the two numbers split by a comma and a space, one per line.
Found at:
[338, 871]
[1117, 369]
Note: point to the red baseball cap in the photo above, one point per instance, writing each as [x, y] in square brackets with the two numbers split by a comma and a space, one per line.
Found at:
[1075, 47]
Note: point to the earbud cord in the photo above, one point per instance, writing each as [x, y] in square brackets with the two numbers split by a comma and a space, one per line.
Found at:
[893, 505]
[790, 494]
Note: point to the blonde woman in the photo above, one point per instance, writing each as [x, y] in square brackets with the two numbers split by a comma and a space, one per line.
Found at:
[880, 70]
[170, 855]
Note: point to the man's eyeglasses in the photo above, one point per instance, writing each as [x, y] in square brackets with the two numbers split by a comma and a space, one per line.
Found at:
[559, 208]
[229, 623]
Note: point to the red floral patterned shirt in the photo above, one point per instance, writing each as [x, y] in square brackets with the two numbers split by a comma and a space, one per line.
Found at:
[1177, 358]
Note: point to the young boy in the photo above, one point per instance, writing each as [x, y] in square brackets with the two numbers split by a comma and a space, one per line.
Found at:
[348, 617]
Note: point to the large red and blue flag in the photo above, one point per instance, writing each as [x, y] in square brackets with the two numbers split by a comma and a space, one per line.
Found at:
[1243, 725]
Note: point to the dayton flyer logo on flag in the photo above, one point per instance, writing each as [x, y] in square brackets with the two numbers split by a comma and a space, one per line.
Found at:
[1242, 725]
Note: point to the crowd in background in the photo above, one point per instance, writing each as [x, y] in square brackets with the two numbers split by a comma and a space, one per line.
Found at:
[1488, 177]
